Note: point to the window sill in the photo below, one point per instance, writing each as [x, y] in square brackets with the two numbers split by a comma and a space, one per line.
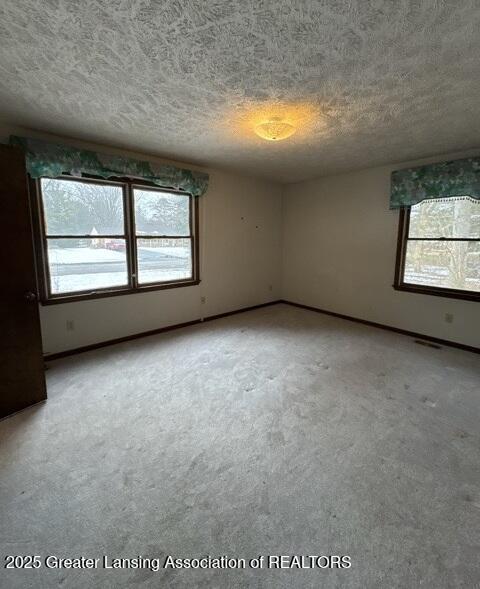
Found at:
[101, 294]
[449, 293]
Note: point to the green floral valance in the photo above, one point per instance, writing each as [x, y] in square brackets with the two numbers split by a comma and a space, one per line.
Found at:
[441, 180]
[50, 159]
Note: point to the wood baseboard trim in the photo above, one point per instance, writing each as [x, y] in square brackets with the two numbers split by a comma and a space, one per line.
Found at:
[127, 338]
[228, 313]
[413, 334]
[64, 354]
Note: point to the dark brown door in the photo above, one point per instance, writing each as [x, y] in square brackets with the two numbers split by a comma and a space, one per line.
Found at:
[22, 378]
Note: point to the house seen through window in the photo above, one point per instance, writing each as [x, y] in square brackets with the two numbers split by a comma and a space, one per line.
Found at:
[106, 236]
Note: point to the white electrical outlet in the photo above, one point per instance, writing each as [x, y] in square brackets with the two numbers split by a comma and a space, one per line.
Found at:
[449, 317]
[70, 325]
[203, 300]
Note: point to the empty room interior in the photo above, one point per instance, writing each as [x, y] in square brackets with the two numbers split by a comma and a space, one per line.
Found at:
[239, 313]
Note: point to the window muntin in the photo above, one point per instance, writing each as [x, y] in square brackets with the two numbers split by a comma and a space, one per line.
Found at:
[101, 237]
[440, 249]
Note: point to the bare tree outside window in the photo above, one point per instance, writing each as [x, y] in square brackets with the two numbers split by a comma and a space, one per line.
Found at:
[443, 244]
[162, 229]
[114, 236]
[78, 207]
[85, 233]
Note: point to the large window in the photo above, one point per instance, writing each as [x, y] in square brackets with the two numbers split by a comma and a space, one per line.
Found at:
[99, 238]
[439, 248]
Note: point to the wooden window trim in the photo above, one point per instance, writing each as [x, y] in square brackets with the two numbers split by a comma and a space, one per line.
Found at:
[400, 285]
[127, 184]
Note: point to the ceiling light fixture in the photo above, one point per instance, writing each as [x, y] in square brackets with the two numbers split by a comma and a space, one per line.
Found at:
[275, 129]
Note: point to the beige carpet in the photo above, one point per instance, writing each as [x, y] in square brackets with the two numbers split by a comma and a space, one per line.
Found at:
[273, 432]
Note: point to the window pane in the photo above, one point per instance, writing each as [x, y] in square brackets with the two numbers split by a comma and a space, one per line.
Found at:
[449, 218]
[163, 260]
[161, 213]
[448, 264]
[86, 264]
[82, 208]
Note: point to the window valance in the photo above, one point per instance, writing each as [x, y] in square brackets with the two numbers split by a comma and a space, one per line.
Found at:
[460, 178]
[49, 159]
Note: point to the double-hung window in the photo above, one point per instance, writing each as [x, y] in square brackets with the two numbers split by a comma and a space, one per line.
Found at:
[439, 248]
[100, 238]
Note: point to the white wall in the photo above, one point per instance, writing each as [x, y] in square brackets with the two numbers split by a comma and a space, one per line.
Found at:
[330, 244]
[240, 258]
[339, 248]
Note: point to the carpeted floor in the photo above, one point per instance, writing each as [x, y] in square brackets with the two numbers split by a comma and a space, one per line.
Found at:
[273, 432]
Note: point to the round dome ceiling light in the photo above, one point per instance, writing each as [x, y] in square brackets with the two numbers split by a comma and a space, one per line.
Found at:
[275, 129]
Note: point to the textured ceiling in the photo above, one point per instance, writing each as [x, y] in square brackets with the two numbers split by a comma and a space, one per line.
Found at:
[366, 83]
